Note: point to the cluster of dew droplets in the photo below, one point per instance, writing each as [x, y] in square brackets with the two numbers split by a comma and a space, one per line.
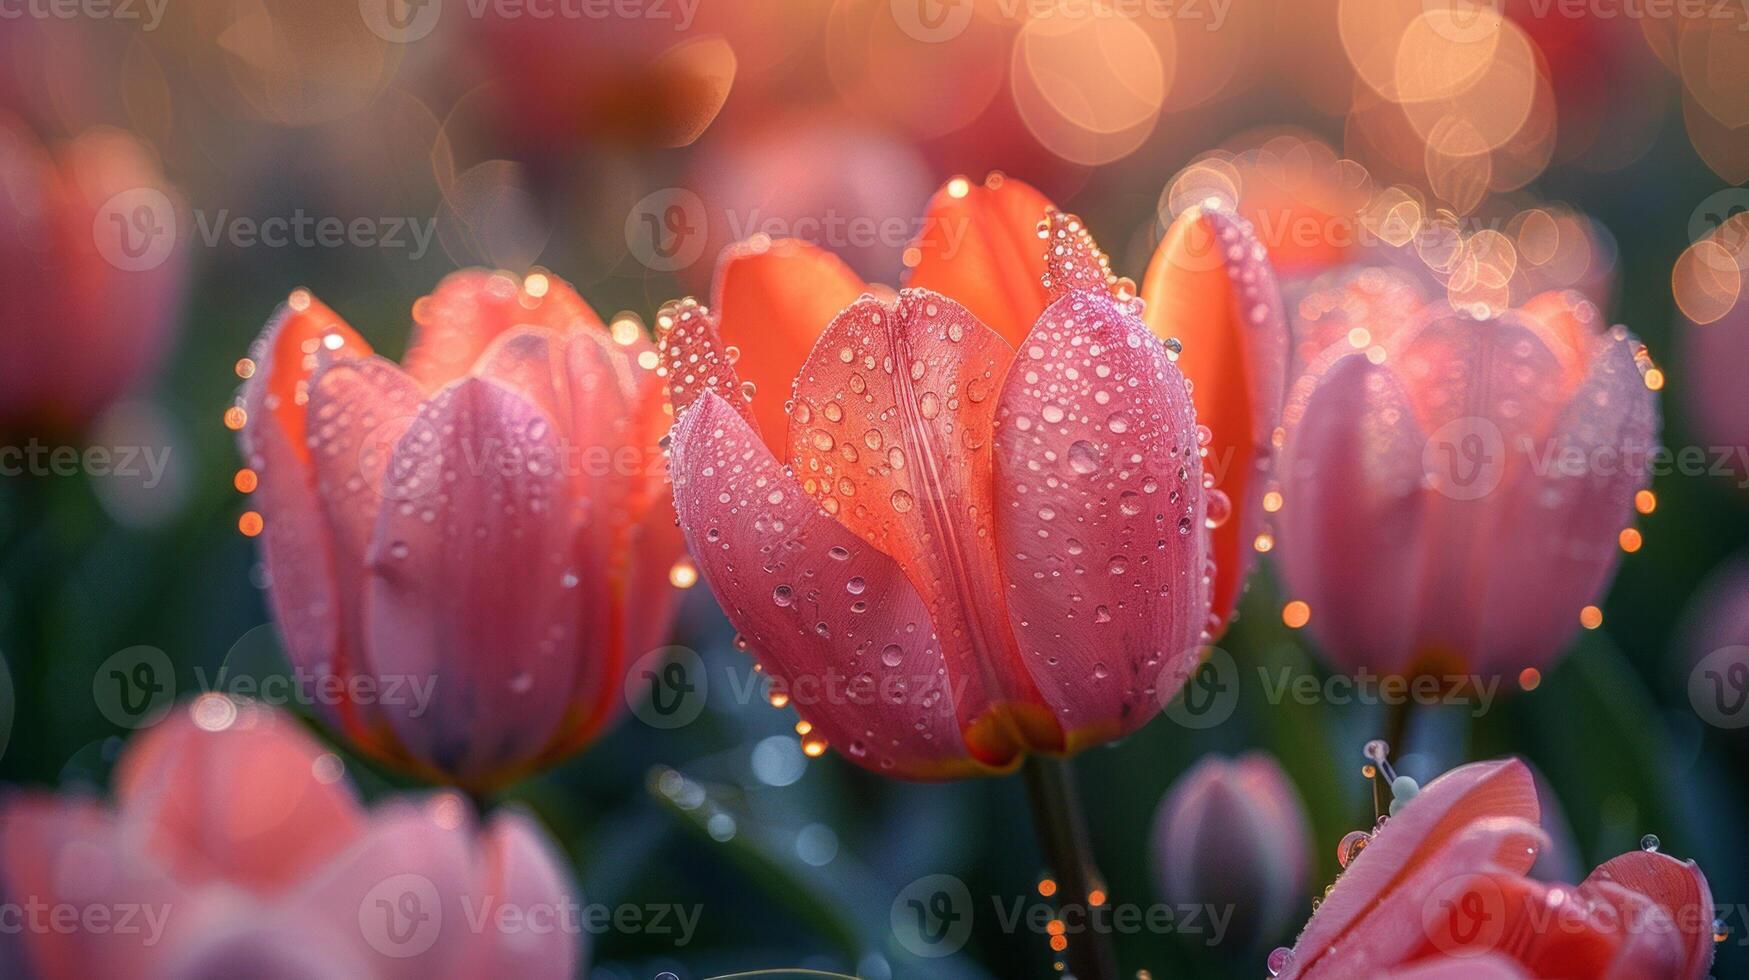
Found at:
[1377, 770]
[693, 358]
[803, 583]
[1073, 261]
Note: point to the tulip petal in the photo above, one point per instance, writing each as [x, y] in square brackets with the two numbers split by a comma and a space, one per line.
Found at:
[71, 852]
[1457, 901]
[1100, 517]
[774, 299]
[1485, 967]
[244, 946]
[396, 896]
[1555, 544]
[241, 805]
[295, 546]
[1073, 261]
[891, 433]
[1443, 810]
[1677, 887]
[695, 361]
[496, 636]
[610, 413]
[469, 309]
[359, 408]
[1485, 392]
[793, 581]
[1210, 286]
[1351, 475]
[520, 872]
[980, 246]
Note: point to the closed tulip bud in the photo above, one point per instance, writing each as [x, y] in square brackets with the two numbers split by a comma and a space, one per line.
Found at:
[92, 272]
[1455, 495]
[1231, 836]
[475, 545]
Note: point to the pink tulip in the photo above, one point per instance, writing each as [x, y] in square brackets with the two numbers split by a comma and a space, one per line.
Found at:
[487, 521]
[1441, 891]
[1454, 491]
[958, 524]
[234, 849]
[1233, 834]
[91, 271]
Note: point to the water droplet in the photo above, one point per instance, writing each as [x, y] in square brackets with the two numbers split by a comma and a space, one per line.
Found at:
[902, 501]
[782, 595]
[1280, 958]
[1649, 843]
[892, 655]
[1351, 845]
[1083, 457]
[855, 586]
[1052, 413]
[1220, 509]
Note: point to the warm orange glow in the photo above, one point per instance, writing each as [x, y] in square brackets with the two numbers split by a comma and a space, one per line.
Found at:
[1047, 887]
[1529, 678]
[245, 481]
[1645, 501]
[1591, 617]
[250, 523]
[236, 418]
[1059, 943]
[1296, 614]
[1631, 540]
[684, 574]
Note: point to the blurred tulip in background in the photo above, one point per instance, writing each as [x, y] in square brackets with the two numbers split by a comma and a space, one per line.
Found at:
[92, 272]
[1233, 834]
[235, 848]
[1455, 492]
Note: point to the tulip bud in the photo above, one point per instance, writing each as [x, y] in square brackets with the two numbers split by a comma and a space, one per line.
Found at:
[474, 546]
[92, 272]
[1232, 836]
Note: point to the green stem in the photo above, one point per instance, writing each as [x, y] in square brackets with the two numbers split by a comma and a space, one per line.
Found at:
[1062, 836]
